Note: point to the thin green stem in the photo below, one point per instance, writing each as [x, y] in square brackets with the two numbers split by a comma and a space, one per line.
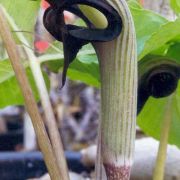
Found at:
[162, 152]
[47, 107]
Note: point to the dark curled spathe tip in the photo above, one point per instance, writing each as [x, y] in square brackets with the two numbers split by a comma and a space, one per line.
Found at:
[159, 79]
[74, 37]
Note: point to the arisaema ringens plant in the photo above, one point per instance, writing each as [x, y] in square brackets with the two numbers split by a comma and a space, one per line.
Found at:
[115, 45]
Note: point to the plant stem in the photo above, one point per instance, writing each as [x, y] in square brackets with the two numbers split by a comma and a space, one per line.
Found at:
[161, 157]
[46, 104]
[50, 118]
[30, 102]
[118, 67]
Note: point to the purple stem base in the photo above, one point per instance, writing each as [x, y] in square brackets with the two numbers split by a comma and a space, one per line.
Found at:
[117, 172]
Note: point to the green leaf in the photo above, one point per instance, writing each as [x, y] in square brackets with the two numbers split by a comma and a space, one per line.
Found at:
[84, 68]
[175, 5]
[88, 67]
[134, 4]
[24, 13]
[174, 51]
[152, 116]
[167, 33]
[146, 23]
[9, 88]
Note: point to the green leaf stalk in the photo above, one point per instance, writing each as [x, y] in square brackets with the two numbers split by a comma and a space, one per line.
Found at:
[118, 68]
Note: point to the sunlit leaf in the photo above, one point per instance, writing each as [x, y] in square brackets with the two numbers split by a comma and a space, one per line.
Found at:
[146, 23]
[165, 34]
[175, 4]
[152, 118]
[9, 88]
[24, 13]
